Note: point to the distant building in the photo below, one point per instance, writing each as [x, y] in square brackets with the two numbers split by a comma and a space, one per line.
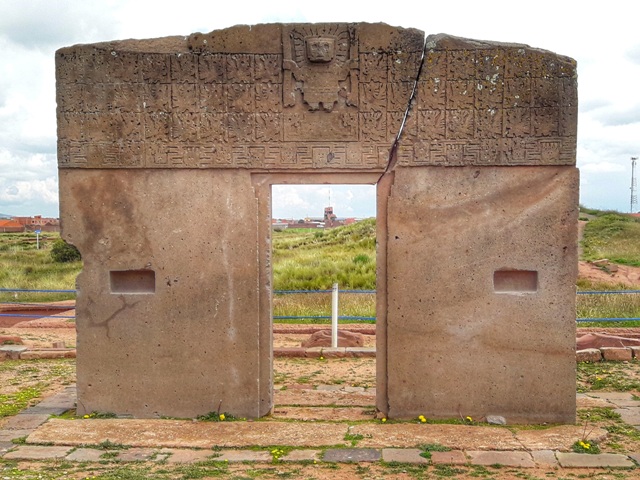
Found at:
[329, 220]
[11, 226]
[39, 223]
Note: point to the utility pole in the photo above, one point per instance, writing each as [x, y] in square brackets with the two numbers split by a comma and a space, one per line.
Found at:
[634, 186]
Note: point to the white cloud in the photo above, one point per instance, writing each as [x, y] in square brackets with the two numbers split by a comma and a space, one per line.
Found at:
[31, 31]
[602, 167]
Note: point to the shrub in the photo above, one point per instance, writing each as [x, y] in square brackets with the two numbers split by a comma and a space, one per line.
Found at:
[62, 252]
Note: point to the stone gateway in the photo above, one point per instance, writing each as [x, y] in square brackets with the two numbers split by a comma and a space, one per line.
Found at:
[167, 151]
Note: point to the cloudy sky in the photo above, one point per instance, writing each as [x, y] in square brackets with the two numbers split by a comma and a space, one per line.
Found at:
[603, 38]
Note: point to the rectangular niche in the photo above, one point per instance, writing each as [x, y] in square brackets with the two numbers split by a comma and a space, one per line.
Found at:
[515, 281]
[133, 281]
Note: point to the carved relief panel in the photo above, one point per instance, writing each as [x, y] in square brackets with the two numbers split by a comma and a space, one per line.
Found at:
[334, 90]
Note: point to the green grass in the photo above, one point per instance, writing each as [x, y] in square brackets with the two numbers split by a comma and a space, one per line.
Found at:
[607, 305]
[22, 266]
[315, 260]
[613, 236]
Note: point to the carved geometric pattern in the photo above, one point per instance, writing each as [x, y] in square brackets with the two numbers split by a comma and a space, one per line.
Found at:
[496, 105]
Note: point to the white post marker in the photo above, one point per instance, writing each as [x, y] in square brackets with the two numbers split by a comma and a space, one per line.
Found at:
[334, 316]
[38, 239]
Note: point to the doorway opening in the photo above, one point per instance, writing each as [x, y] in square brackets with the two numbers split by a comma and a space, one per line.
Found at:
[323, 235]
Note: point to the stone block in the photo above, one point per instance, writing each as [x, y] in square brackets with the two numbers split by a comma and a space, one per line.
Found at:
[592, 355]
[12, 352]
[301, 456]
[187, 456]
[601, 460]
[243, 456]
[289, 352]
[508, 459]
[229, 113]
[26, 421]
[630, 415]
[47, 354]
[8, 435]
[545, 458]
[5, 447]
[635, 350]
[32, 452]
[454, 457]
[351, 455]
[361, 352]
[86, 455]
[403, 455]
[616, 354]
[136, 455]
[322, 338]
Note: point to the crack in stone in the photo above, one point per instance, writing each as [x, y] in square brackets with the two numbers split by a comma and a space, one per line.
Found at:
[391, 162]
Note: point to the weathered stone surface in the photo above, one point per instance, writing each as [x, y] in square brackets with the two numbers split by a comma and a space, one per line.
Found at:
[557, 438]
[322, 338]
[601, 460]
[136, 454]
[403, 455]
[47, 354]
[615, 354]
[186, 434]
[496, 420]
[545, 458]
[301, 456]
[5, 446]
[24, 421]
[10, 340]
[187, 456]
[243, 456]
[438, 302]
[456, 437]
[630, 415]
[589, 355]
[348, 455]
[509, 459]
[599, 340]
[86, 455]
[8, 435]
[454, 457]
[200, 127]
[31, 452]
[587, 401]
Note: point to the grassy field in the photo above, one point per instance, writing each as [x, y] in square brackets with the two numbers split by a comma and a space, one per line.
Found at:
[614, 236]
[23, 266]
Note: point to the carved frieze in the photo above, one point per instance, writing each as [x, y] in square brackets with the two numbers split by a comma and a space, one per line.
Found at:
[322, 101]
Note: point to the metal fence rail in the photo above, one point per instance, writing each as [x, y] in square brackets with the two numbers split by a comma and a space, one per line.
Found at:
[45, 306]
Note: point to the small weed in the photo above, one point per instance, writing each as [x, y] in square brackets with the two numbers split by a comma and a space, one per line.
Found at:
[354, 438]
[19, 440]
[427, 448]
[99, 415]
[217, 417]
[109, 445]
[583, 446]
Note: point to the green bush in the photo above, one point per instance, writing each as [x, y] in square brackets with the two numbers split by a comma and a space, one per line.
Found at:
[62, 252]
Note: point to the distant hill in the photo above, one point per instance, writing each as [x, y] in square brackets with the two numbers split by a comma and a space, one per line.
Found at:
[5, 217]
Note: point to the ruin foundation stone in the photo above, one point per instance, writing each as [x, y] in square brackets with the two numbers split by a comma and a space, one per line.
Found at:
[167, 151]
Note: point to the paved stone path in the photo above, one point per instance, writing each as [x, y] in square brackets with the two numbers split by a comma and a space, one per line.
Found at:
[176, 441]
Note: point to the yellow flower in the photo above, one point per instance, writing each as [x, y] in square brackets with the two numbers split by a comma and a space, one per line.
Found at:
[423, 420]
[321, 358]
[384, 419]
[222, 417]
[86, 416]
[469, 419]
